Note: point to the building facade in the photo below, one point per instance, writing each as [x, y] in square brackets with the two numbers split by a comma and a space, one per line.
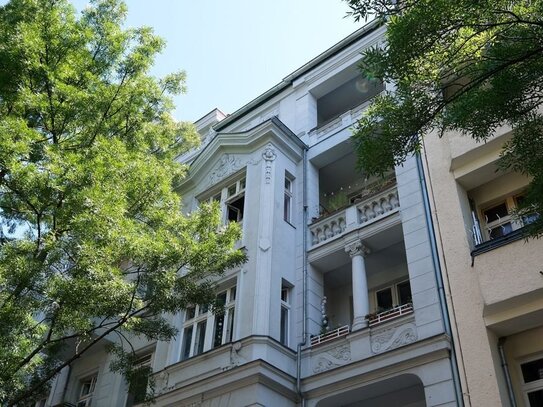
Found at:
[493, 273]
[341, 301]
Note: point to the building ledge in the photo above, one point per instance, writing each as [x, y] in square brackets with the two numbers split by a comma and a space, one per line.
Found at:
[498, 242]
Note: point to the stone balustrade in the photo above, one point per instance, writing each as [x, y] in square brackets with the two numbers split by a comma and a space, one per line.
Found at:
[360, 214]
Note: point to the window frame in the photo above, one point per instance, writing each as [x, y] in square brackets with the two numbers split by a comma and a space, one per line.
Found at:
[511, 202]
[284, 324]
[226, 198]
[394, 288]
[204, 314]
[288, 198]
[86, 398]
[529, 387]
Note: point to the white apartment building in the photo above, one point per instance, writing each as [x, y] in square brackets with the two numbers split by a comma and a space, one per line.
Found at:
[341, 301]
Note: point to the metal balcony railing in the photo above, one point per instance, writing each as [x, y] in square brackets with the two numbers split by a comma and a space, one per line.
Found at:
[330, 336]
[393, 313]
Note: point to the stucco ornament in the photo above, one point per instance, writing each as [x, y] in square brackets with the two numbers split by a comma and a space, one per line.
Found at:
[335, 357]
[228, 164]
[269, 156]
[393, 338]
[357, 248]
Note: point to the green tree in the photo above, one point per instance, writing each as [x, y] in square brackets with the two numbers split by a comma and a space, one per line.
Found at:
[93, 243]
[464, 65]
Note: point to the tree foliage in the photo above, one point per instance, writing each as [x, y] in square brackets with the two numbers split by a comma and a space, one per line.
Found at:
[469, 66]
[93, 243]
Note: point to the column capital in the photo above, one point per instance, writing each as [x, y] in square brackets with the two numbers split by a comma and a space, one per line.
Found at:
[357, 248]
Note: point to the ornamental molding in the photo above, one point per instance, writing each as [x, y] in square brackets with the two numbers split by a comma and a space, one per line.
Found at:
[269, 157]
[338, 356]
[357, 248]
[227, 165]
[393, 338]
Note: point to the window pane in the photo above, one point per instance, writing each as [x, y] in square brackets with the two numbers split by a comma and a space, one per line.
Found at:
[288, 184]
[232, 190]
[283, 338]
[532, 371]
[221, 298]
[200, 337]
[284, 294]
[233, 294]
[242, 184]
[286, 208]
[404, 292]
[230, 326]
[190, 313]
[496, 212]
[235, 209]
[187, 339]
[218, 330]
[536, 398]
[202, 309]
[384, 299]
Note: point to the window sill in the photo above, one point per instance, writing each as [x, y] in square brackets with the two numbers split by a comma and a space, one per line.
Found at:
[498, 242]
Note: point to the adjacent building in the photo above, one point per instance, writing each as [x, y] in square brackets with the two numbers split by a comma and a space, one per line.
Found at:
[342, 300]
[493, 273]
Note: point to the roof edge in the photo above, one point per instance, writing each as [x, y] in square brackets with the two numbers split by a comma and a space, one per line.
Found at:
[287, 80]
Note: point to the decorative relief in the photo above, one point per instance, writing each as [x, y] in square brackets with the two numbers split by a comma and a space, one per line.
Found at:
[357, 248]
[335, 357]
[228, 164]
[162, 382]
[393, 338]
[269, 156]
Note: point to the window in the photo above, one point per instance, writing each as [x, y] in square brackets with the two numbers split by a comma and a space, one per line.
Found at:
[86, 389]
[394, 295]
[285, 313]
[287, 200]
[138, 385]
[532, 377]
[204, 330]
[232, 201]
[497, 220]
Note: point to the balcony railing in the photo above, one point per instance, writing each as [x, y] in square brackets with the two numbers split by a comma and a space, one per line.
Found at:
[346, 119]
[330, 336]
[396, 312]
[365, 212]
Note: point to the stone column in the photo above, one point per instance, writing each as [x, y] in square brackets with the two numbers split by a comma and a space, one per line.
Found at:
[361, 305]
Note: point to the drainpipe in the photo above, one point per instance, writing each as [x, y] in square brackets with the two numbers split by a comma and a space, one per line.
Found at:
[505, 368]
[439, 280]
[304, 283]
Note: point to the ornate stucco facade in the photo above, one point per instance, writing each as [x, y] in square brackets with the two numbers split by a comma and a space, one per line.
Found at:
[341, 301]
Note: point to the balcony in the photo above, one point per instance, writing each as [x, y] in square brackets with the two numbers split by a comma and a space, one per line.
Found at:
[366, 211]
[338, 123]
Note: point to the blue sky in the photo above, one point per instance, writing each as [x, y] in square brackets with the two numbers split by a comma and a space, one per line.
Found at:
[235, 50]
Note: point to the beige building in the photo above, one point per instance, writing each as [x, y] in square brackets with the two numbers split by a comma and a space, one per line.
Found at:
[492, 274]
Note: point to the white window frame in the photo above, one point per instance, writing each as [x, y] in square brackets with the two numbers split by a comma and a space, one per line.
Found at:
[531, 386]
[204, 313]
[288, 198]
[284, 331]
[511, 204]
[85, 399]
[232, 192]
[395, 293]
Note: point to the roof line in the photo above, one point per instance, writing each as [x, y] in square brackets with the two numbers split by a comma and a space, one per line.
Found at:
[287, 80]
